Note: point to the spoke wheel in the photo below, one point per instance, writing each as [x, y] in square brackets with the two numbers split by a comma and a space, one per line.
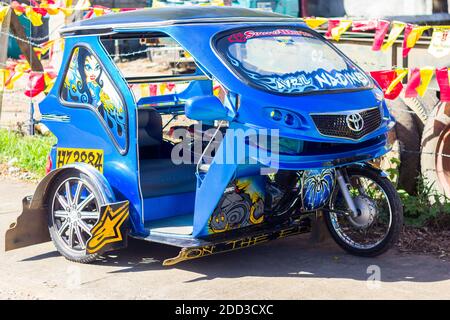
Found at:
[380, 216]
[74, 210]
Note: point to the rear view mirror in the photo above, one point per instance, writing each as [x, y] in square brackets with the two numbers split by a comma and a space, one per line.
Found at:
[206, 108]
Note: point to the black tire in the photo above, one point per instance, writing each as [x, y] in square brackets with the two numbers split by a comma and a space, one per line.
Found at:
[408, 136]
[80, 256]
[435, 130]
[396, 214]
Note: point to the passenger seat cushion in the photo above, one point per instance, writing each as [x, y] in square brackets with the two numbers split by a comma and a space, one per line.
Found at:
[149, 127]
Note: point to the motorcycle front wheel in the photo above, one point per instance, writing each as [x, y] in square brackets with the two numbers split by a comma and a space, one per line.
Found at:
[379, 221]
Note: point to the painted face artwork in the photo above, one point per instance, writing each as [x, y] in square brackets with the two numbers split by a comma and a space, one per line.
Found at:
[289, 61]
[86, 83]
[91, 69]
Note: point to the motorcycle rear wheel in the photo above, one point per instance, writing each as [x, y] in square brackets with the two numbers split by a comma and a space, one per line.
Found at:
[380, 219]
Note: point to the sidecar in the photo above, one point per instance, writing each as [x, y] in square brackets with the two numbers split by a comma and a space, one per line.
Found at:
[290, 102]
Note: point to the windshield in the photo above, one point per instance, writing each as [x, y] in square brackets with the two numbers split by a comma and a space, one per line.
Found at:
[288, 61]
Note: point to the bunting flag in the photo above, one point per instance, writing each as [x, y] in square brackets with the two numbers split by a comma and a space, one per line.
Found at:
[34, 16]
[4, 76]
[3, 12]
[442, 78]
[380, 33]
[406, 33]
[364, 25]
[396, 30]
[390, 81]
[418, 82]
[315, 22]
[440, 42]
[35, 85]
[415, 35]
[336, 27]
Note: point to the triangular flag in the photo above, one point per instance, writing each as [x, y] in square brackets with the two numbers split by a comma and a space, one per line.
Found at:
[315, 22]
[442, 78]
[396, 30]
[401, 74]
[364, 25]
[35, 85]
[405, 48]
[415, 35]
[34, 17]
[336, 27]
[3, 12]
[380, 34]
[389, 79]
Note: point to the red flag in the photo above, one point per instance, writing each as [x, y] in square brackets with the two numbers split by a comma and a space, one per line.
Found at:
[332, 23]
[444, 84]
[380, 34]
[384, 79]
[153, 89]
[35, 85]
[364, 25]
[413, 83]
[406, 33]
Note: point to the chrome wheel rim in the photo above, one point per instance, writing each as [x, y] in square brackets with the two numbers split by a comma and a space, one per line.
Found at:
[75, 211]
[376, 226]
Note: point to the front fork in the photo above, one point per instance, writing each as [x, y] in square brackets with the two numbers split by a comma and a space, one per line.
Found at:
[345, 192]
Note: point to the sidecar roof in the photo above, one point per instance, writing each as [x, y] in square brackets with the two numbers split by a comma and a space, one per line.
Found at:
[172, 16]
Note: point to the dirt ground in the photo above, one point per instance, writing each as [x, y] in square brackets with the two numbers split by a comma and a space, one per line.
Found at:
[291, 268]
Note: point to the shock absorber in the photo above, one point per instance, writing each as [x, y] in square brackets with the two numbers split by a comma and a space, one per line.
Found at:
[346, 193]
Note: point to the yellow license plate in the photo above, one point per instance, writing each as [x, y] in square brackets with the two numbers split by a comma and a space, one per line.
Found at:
[94, 157]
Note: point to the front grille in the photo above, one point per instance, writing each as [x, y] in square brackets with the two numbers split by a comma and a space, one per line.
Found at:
[335, 125]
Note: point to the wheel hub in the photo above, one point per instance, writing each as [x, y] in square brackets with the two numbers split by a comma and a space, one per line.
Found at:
[367, 212]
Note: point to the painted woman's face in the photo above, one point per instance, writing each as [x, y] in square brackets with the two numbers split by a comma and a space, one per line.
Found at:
[91, 68]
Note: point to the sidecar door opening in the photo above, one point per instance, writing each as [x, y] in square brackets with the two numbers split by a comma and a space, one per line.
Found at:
[165, 76]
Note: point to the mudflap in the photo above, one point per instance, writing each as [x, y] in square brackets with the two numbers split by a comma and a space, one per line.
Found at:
[280, 232]
[111, 230]
[30, 228]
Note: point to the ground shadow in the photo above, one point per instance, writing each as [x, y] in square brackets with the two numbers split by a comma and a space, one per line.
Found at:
[294, 257]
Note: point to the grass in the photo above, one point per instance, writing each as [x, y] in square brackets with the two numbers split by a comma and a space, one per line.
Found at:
[30, 151]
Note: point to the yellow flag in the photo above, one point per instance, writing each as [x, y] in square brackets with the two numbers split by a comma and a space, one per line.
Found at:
[50, 8]
[67, 11]
[34, 17]
[49, 82]
[3, 12]
[401, 73]
[99, 11]
[4, 75]
[340, 29]
[396, 30]
[14, 78]
[145, 92]
[415, 35]
[316, 22]
[426, 74]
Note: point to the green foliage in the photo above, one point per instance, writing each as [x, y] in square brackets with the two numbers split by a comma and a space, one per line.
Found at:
[30, 151]
[427, 206]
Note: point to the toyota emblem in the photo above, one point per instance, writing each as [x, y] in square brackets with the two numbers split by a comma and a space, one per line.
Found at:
[355, 122]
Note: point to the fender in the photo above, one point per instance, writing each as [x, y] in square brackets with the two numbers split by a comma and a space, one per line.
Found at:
[370, 166]
[31, 226]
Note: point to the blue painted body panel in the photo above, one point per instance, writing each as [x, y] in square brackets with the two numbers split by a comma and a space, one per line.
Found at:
[86, 130]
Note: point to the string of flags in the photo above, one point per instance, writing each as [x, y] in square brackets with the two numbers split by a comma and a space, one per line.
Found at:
[392, 84]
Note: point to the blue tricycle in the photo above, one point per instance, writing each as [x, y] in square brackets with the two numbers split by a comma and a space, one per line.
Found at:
[286, 140]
